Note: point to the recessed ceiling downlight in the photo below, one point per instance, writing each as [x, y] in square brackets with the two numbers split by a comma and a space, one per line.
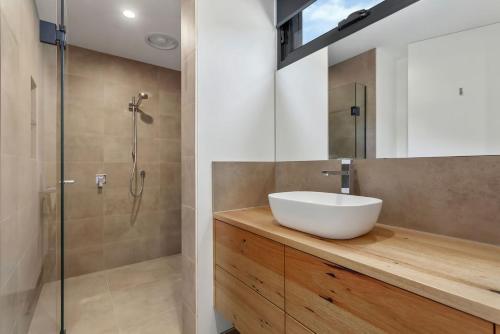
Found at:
[128, 14]
[161, 41]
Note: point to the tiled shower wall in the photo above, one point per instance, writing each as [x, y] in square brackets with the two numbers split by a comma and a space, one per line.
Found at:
[188, 59]
[108, 228]
[27, 164]
[453, 196]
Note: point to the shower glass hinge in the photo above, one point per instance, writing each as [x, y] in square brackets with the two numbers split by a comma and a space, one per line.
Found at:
[51, 33]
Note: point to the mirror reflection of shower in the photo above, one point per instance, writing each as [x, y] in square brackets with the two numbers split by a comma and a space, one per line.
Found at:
[136, 186]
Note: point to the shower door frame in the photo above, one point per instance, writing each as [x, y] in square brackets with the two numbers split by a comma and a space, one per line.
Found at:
[61, 44]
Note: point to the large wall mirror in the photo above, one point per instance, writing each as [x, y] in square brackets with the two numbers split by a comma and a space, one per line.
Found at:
[422, 82]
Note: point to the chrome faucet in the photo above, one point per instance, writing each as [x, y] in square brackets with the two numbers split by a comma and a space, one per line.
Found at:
[345, 174]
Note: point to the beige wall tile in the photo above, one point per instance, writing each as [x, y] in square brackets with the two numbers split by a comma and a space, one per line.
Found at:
[86, 63]
[83, 233]
[124, 252]
[86, 148]
[117, 148]
[84, 173]
[170, 174]
[307, 176]
[170, 227]
[28, 182]
[188, 233]
[241, 184]
[169, 103]
[12, 13]
[83, 261]
[117, 120]
[119, 174]
[188, 130]
[118, 201]
[8, 298]
[170, 197]
[10, 125]
[28, 225]
[121, 70]
[159, 246]
[84, 91]
[10, 56]
[81, 118]
[455, 196]
[170, 150]
[189, 321]
[169, 80]
[189, 279]
[150, 149]
[120, 228]
[8, 179]
[188, 182]
[118, 95]
[127, 227]
[188, 17]
[80, 204]
[188, 162]
[170, 127]
[10, 250]
[188, 87]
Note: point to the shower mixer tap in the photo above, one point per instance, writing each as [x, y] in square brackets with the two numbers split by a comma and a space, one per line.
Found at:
[100, 180]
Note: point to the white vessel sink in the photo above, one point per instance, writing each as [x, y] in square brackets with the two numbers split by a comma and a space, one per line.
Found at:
[332, 216]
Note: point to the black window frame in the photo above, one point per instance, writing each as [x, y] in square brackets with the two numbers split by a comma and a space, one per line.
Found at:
[290, 32]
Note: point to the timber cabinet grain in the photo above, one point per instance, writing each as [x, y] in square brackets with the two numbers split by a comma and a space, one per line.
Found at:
[256, 261]
[249, 311]
[263, 286]
[328, 298]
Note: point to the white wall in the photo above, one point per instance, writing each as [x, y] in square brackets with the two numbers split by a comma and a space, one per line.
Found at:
[391, 104]
[302, 109]
[402, 108]
[386, 103]
[441, 122]
[236, 64]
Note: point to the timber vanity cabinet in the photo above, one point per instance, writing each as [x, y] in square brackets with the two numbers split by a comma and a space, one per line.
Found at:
[266, 286]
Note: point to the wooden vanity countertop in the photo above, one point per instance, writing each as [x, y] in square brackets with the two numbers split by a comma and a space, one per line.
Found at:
[458, 273]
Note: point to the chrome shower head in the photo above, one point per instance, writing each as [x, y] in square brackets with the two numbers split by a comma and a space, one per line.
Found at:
[140, 97]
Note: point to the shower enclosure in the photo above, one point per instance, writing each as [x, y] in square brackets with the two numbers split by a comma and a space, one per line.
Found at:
[99, 201]
[347, 121]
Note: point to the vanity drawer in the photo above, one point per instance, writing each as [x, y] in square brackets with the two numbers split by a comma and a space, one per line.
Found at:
[328, 298]
[294, 327]
[250, 312]
[257, 261]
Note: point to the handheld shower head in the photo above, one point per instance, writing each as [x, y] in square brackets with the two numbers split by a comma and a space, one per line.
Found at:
[140, 97]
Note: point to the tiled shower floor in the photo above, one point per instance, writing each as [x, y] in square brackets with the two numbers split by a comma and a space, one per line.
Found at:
[142, 298]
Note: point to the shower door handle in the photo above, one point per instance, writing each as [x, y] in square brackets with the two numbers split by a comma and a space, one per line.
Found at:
[69, 182]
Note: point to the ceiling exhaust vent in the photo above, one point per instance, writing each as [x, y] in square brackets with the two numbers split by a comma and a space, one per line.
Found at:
[161, 41]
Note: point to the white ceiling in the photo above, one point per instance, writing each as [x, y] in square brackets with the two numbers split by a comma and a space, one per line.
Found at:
[422, 20]
[100, 25]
